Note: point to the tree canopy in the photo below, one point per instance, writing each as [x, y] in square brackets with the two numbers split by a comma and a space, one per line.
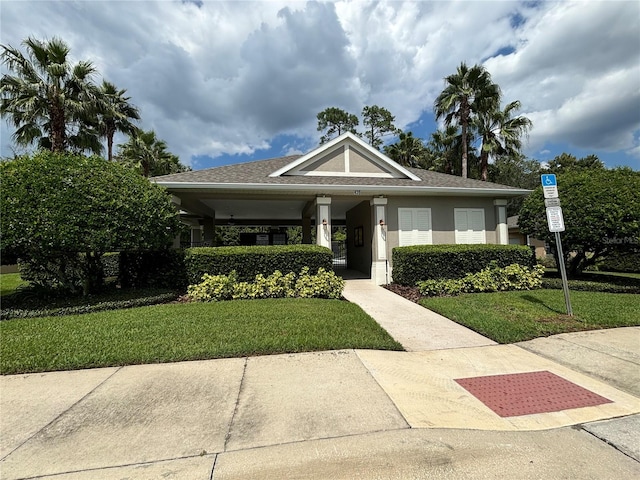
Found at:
[146, 153]
[601, 210]
[59, 209]
[49, 101]
[378, 123]
[334, 122]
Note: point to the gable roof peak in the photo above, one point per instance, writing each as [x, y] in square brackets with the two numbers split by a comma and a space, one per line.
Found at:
[346, 141]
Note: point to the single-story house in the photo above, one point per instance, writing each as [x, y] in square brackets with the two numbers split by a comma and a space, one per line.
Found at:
[345, 182]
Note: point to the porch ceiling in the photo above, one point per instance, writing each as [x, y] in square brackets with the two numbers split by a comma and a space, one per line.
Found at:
[262, 207]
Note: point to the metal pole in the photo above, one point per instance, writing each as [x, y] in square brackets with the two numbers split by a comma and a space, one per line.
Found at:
[563, 272]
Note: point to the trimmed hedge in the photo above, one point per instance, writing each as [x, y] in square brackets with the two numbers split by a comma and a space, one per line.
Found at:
[439, 262]
[161, 269]
[251, 261]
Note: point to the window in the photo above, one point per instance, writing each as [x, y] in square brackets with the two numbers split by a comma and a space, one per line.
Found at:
[414, 226]
[469, 224]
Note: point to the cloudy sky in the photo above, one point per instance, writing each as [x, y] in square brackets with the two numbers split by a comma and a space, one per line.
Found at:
[226, 82]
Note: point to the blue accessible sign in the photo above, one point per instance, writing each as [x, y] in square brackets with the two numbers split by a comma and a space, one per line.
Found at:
[549, 185]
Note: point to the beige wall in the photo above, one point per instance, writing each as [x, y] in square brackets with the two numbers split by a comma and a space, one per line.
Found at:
[442, 221]
[333, 162]
[360, 164]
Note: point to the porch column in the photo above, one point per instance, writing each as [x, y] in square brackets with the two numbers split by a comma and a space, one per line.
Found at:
[323, 221]
[176, 202]
[209, 230]
[196, 235]
[379, 265]
[306, 230]
[502, 232]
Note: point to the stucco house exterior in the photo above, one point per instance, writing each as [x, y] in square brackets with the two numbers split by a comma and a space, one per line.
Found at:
[345, 182]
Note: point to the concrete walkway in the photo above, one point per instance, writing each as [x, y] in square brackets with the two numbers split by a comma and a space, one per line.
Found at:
[415, 327]
[341, 414]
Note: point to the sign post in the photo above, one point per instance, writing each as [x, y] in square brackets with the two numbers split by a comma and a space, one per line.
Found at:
[556, 225]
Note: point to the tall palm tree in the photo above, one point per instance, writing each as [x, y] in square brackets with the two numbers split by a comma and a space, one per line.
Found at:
[500, 133]
[116, 114]
[444, 148]
[467, 91]
[49, 101]
[407, 151]
[149, 154]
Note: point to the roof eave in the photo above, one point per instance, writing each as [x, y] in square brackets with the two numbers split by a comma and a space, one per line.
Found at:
[402, 190]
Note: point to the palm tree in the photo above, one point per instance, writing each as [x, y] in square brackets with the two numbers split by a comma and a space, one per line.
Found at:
[149, 154]
[407, 151]
[116, 114]
[49, 101]
[443, 148]
[467, 91]
[500, 133]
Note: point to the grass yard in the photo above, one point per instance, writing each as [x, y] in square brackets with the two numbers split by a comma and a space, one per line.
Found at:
[193, 331]
[508, 317]
[9, 283]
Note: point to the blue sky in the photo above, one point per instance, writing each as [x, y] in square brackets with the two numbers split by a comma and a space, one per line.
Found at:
[226, 82]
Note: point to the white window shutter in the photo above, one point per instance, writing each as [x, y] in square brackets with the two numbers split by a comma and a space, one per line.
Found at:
[469, 225]
[414, 226]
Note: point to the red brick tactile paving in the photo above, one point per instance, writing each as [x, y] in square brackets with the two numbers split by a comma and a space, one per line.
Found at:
[512, 395]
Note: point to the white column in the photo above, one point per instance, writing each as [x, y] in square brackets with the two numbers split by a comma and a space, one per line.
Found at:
[502, 232]
[379, 266]
[323, 221]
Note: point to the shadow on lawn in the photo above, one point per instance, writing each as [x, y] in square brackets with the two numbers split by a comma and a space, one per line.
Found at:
[532, 299]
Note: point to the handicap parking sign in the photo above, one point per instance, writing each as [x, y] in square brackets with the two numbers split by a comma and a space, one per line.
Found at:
[548, 180]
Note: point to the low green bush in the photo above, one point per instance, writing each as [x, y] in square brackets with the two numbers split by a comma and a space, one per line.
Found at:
[248, 262]
[621, 262]
[490, 279]
[437, 262]
[149, 299]
[213, 288]
[158, 269]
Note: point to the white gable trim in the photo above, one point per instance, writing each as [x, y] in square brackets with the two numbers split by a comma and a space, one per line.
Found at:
[346, 139]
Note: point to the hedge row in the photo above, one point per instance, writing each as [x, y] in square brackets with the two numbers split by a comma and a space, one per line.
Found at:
[251, 261]
[438, 262]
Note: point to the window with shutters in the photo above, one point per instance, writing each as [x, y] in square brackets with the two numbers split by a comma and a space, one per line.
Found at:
[469, 223]
[414, 226]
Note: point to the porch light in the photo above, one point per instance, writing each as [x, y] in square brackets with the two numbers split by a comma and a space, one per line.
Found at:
[231, 221]
[324, 222]
[382, 224]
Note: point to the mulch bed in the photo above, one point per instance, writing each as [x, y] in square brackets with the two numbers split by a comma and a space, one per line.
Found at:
[410, 293]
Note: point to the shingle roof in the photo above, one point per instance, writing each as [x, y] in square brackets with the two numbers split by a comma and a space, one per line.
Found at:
[257, 172]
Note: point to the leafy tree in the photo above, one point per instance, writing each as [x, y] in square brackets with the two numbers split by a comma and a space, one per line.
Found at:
[336, 122]
[48, 100]
[408, 150]
[601, 210]
[566, 162]
[116, 114]
[515, 171]
[60, 213]
[378, 122]
[467, 92]
[500, 133]
[148, 154]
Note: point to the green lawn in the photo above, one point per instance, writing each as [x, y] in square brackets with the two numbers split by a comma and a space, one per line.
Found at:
[508, 317]
[194, 331]
[9, 282]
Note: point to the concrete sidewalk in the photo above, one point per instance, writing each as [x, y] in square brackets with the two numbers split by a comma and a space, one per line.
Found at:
[341, 414]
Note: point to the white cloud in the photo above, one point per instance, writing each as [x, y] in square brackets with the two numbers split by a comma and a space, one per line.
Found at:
[229, 77]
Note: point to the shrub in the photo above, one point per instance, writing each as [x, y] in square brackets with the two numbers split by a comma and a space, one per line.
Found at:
[436, 262]
[215, 288]
[490, 279]
[251, 261]
[163, 269]
[621, 262]
[62, 209]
